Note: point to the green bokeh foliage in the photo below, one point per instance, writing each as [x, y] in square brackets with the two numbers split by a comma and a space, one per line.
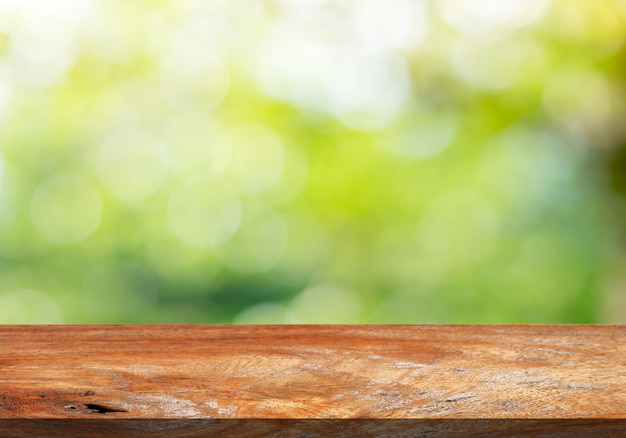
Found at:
[176, 161]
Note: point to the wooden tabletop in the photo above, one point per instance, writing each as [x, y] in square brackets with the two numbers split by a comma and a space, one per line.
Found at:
[312, 380]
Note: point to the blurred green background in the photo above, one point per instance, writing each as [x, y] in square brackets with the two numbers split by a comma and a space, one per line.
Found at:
[314, 161]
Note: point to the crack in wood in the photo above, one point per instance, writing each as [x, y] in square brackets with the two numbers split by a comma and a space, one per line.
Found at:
[101, 409]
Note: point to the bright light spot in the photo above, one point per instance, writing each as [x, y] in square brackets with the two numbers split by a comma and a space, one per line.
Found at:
[204, 214]
[258, 160]
[266, 313]
[310, 52]
[368, 91]
[390, 25]
[427, 135]
[29, 307]
[258, 245]
[132, 164]
[199, 146]
[304, 7]
[43, 40]
[66, 208]
[9, 4]
[110, 35]
[491, 64]
[331, 74]
[194, 72]
[327, 304]
[42, 52]
[69, 11]
[473, 16]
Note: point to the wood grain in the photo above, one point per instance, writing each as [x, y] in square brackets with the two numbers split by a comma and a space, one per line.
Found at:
[299, 380]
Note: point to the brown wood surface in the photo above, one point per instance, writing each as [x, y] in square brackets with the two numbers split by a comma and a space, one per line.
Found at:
[299, 380]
